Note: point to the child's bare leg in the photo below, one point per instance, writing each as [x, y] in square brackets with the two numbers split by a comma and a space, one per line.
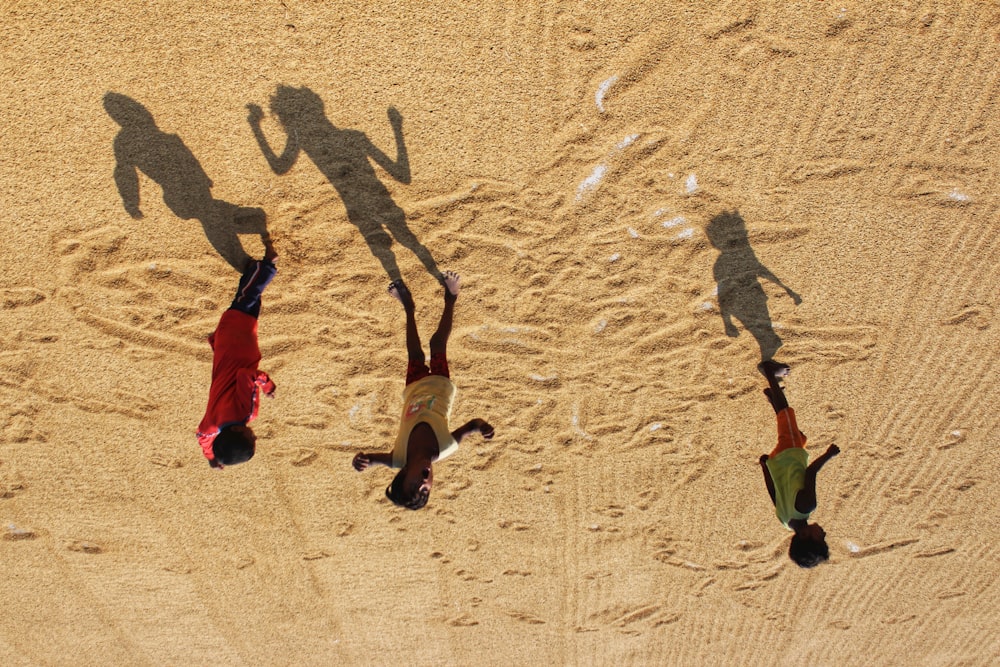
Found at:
[270, 254]
[772, 370]
[439, 341]
[414, 350]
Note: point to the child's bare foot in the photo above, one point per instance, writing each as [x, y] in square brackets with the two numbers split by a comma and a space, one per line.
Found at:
[270, 254]
[773, 369]
[451, 282]
[399, 290]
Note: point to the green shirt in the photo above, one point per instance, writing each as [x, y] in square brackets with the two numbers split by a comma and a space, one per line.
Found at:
[788, 474]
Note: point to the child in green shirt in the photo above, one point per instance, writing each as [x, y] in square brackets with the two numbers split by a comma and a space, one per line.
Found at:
[790, 482]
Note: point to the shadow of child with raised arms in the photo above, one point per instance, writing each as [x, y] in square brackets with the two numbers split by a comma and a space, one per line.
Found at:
[342, 156]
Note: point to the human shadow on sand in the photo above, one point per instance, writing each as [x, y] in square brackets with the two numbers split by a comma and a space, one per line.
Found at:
[187, 189]
[736, 272]
[342, 155]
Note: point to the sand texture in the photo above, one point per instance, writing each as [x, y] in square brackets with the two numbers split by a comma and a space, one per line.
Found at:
[641, 198]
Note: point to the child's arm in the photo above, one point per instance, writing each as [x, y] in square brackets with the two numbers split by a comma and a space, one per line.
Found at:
[279, 164]
[363, 460]
[768, 482]
[400, 169]
[127, 181]
[479, 425]
[265, 383]
[765, 273]
[805, 499]
[724, 300]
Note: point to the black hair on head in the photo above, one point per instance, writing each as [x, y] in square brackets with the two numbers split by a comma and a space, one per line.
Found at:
[808, 552]
[394, 492]
[232, 447]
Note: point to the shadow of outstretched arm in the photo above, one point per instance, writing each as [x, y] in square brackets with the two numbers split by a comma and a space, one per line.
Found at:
[127, 180]
[280, 164]
[400, 168]
[764, 272]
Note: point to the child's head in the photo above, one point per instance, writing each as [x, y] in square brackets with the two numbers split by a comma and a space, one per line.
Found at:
[808, 547]
[127, 112]
[411, 487]
[234, 444]
[727, 231]
[297, 107]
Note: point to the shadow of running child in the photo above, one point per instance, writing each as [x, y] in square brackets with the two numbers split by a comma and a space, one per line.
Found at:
[740, 294]
[187, 189]
[342, 155]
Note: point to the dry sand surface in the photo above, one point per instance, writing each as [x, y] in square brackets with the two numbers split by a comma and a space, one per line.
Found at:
[587, 167]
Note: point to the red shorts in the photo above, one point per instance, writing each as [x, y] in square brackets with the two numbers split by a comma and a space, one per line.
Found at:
[789, 435]
[418, 370]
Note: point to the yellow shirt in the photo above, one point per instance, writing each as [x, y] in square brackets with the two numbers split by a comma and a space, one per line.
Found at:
[788, 473]
[426, 400]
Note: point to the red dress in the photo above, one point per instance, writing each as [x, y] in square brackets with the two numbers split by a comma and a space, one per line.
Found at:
[236, 382]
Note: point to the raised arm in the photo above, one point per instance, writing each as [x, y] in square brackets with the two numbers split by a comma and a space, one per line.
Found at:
[280, 164]
[805, 499]
[768, 482]
[400, 169]
[473, 426]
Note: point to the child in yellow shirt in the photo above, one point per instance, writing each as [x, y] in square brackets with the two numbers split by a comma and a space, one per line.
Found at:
[424, 435]
[790, 482]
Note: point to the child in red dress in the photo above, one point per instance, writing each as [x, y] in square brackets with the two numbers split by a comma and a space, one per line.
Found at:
[234, 397]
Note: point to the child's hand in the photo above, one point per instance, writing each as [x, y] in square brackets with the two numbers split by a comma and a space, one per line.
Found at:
[486, 430]
[361, 461]
[832, 450]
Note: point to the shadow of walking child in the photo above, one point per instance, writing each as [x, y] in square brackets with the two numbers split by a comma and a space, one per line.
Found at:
[342, 157]
[740, 294]
[187, 189]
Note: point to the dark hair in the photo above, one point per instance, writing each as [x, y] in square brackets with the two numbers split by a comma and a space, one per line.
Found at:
[232, 447]
[394, 492]
[808, 552]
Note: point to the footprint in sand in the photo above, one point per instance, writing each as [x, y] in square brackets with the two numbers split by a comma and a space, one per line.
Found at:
[955, 437]
[84, 547]
[463, 621]
[975, 316]
[19, 297]
[14, 533]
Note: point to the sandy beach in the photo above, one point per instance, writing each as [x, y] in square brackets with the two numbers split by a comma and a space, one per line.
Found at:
[643, 200]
